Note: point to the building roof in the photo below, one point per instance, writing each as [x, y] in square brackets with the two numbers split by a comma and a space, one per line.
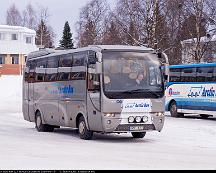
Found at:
[17, 29]
[203, 39]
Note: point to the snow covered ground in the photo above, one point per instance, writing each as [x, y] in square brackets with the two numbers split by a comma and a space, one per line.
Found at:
[184, 143]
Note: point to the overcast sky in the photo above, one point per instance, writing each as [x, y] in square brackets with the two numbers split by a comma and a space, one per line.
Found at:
[60, 11]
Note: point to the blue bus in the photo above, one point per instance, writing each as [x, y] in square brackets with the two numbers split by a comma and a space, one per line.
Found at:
[191, 89]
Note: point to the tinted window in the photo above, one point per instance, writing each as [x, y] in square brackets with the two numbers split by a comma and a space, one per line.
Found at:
[66, 60]
[52, 62]
[41, 63]
[92, 59]
[205, 74]
[175, 75]
[40, 70]
[79, 59]
[31, 65]
[188, 75]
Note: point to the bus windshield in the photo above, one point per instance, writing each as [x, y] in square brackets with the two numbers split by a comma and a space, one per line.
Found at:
[132, 75]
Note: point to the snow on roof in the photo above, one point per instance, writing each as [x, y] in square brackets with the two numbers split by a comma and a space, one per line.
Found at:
[17, 28]
[203, 39]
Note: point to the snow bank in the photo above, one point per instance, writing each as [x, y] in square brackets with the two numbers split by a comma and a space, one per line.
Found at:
[11, 93]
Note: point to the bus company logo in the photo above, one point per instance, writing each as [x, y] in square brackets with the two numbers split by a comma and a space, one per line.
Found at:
[195, 91]
[202, 91]
[137, 105]
[173, 93]
[61, 89]
[208, 92]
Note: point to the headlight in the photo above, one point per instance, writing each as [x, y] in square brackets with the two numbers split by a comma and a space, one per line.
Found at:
[145, 119]
[160, 114]
[138, 119]
[131, 119]
[109, 115]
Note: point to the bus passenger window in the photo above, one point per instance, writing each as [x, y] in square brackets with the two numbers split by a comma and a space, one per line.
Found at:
[204, 74]
[188, 75]
[66, 60]
[175, 75]
[79, 59]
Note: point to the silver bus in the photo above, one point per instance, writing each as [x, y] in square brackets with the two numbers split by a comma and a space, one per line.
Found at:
[105, 89]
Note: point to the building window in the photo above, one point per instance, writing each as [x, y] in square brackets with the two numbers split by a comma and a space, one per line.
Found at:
[14, 37]
[28, 40]
[2, 60]
[15, 60]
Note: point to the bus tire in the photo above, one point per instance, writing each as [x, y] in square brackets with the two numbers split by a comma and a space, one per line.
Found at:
[83, 131]
[173, 110]
[40, 126]
[138, 134]
[204, 116]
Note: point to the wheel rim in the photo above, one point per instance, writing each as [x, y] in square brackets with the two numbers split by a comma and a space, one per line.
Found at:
[38, 121]
[174, 108]
[82, 127]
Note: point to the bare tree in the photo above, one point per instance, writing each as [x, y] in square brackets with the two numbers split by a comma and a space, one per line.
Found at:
[30, 17]
[111, 35]
[45, 35]
[13, 16]
[90, 27]
[201, 16]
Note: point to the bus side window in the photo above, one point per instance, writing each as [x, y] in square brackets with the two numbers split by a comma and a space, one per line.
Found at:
[175, 75]
[205, 74]
[65, 64]
[51, 71]
[79, 66]
[79, 59]
[92, 59]
[214, 75]
[188, 75]
[30, 77]
[40, 70]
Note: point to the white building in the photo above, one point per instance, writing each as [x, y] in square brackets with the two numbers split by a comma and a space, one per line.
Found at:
[208, 47]
[15, 43]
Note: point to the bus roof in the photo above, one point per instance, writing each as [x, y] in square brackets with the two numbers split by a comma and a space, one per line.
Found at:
[193, 65]
[100, 48]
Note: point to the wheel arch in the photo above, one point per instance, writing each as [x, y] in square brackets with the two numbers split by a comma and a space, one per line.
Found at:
[80, 114]
[169, 105]
[42, 117]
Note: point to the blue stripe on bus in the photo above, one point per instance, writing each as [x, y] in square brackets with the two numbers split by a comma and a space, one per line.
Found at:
[199, 104]
[192, 65]
[182, 83]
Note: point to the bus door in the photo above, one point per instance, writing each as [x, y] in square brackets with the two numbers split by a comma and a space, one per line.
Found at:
[26, 94]
[94, 102]
[31, 80]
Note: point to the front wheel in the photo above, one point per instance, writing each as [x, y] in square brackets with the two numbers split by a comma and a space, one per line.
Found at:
[83, 131]
[138, 134]
[174, 110]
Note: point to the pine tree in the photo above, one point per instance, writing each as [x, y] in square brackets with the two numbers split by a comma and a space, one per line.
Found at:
[43, 36]
[66, 41]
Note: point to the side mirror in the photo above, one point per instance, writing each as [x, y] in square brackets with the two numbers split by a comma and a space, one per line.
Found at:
[98, 68]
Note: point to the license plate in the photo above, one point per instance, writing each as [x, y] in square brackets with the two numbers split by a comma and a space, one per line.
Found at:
[136, 128]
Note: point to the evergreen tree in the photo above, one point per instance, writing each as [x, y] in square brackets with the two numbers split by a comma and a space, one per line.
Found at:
[43, 36]
[66, 41]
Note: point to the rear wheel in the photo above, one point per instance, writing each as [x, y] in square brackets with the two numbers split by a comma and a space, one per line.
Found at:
[83, 131]
[40, 126]
[174, 110]
[138, 134]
